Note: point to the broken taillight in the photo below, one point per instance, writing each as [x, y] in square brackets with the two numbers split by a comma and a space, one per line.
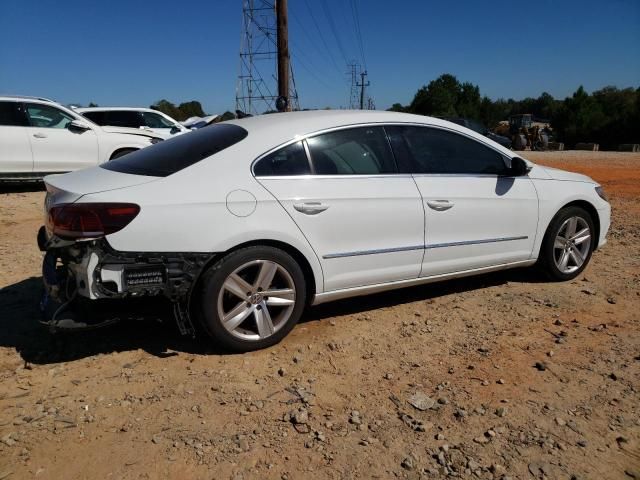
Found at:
[90, 220]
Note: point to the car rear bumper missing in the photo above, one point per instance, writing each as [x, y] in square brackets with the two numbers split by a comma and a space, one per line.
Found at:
[88, 273]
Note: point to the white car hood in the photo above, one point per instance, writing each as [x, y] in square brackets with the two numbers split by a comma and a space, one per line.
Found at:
[563, 175]
[69, 187]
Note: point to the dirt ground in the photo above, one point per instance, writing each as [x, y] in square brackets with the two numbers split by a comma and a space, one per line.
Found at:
[332, 400]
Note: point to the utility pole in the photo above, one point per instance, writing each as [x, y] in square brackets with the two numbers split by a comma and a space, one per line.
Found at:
[362, 85]
[283, 55]
[258, 88]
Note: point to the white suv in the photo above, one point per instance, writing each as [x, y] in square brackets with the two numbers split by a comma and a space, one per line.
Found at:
[39, 137]
[133, 117]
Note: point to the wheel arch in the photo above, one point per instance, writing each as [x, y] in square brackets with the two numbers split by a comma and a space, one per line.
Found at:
[312, 281]
[588, 207]
[591, 210]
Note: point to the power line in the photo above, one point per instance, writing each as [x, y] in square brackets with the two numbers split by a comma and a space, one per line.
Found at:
[332, 25]
[321, 35]
[356, 23]
[325, 52]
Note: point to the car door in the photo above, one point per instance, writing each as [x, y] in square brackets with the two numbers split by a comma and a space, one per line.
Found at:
[56, 147]
[476, 214]
[15, 150]
[364, 221]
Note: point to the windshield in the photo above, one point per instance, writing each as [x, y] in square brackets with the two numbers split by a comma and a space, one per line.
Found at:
[171, 156]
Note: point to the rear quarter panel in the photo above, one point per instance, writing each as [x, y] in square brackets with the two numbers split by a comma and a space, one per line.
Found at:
[189, 212]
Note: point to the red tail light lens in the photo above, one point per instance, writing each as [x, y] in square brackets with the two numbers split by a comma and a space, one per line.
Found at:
[90, 220]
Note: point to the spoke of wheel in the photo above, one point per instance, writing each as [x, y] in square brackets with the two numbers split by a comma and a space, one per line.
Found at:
[235, 317]
[279, 298]
[564, 260]
[577, 256]
[266, 274]
[572, 226]
[236, 285]
[263, 321]
[582, 236]
[560, 242]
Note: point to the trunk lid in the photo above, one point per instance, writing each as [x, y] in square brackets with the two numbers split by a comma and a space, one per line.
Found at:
[69, 187]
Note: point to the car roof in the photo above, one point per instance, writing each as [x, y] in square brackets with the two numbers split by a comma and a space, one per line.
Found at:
[25, 98]
[279, 128]
[105, 109]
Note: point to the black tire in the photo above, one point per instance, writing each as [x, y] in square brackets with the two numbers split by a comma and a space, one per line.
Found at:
[122, 153]
[212, 283]
[547, 258]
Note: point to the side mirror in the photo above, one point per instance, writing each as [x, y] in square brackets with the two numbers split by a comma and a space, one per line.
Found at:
[519, 167]
[78, 125]
[174, 130]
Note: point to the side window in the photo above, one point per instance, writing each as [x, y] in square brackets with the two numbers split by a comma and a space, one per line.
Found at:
[153, 120]
[290, 160]
[46, 116]
[124, 119]
[97, 117]
[12, 114]
[356, 151]
[439, 151]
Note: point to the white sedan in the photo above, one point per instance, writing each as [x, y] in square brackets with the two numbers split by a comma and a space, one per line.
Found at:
[242, 224]
[39, 137]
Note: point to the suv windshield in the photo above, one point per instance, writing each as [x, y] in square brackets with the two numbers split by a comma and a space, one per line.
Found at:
[171, 156]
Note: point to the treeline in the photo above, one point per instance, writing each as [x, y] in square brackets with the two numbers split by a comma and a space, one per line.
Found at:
[610, 116]
[179, 112]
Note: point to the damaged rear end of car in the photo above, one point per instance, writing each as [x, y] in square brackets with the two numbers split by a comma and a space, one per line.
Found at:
[86, 279]
[101, 227]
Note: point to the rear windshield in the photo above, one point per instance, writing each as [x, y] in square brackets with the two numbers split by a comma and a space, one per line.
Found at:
[181, 151]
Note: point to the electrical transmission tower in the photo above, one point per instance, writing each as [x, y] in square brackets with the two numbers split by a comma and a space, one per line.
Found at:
[257, 87]
[353, 72]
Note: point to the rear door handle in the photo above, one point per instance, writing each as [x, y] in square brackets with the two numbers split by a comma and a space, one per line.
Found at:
[310, 208]
[440, 205]
[40, 135]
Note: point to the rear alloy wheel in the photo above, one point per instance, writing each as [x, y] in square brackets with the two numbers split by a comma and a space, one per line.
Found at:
[252, 298]
[568, 244]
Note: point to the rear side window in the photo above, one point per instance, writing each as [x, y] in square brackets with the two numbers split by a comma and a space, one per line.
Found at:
[355, 151]
[290, 160]
[171, 156]
[12, 114]
[124, 119]
[96, 117]
[432, 150]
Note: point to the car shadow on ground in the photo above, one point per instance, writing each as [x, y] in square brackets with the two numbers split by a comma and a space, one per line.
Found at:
[22, 187]
[20, 328]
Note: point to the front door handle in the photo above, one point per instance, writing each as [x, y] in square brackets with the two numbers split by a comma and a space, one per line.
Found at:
[310, 208]
[40, 135]
[440, 205]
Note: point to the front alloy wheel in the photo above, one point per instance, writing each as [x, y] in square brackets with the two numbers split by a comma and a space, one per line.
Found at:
[252, 298]
[568, 243]
[572, 244]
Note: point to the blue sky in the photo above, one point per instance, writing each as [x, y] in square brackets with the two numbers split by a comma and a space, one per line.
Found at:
[128, 52]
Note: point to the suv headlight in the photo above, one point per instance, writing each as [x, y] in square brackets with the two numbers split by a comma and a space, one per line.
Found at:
[601, 194]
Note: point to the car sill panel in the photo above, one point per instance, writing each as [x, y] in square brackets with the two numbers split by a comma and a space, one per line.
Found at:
[369, 289]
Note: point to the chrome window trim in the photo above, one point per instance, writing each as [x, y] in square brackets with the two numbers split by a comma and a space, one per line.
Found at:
[420, 247]
[303, 138]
